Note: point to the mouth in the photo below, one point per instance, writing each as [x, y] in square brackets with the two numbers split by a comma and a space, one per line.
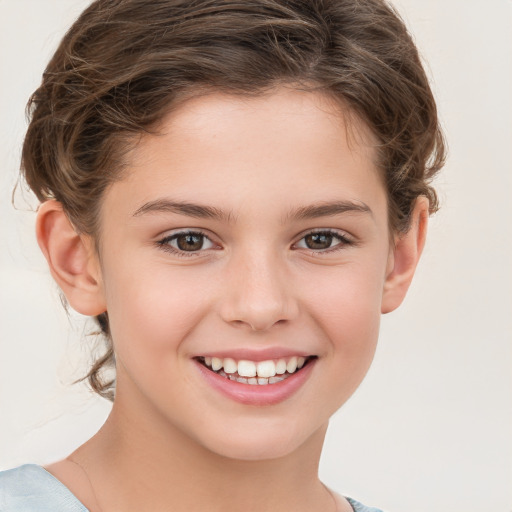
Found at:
[270, 372]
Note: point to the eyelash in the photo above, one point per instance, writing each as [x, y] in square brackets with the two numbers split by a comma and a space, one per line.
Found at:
[164, 243]
[343, 241]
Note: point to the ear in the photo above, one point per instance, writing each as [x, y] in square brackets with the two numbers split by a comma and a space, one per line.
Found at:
[404, 257]
[72, 259]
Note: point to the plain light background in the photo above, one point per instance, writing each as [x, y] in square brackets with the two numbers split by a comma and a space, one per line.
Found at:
[431, 427]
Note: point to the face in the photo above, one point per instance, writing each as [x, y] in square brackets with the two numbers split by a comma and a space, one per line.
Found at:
[250, 236]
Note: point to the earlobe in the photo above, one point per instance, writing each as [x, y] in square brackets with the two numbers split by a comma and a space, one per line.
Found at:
[404, 257]
[71, 258]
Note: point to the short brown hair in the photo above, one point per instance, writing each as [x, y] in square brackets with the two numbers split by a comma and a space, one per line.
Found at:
[125, 63]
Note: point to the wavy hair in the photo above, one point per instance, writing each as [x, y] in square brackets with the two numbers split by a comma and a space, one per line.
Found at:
[124, 64]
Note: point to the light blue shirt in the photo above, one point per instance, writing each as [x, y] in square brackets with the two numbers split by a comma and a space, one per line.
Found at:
[30, 488]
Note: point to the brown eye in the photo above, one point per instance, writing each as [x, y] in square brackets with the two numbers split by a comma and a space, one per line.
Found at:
[318, 241]
[190, 242]
[323, 241]
[186, 242]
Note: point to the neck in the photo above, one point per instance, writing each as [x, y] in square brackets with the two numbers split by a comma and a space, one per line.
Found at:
[140, 463]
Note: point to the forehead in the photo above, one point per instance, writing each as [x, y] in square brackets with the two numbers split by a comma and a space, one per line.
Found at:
[295, 146]
[305, 116]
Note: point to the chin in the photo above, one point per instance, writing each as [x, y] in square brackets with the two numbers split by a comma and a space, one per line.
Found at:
[259, 443]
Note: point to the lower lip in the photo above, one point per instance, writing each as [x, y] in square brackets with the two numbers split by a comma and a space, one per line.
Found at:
[255, 394]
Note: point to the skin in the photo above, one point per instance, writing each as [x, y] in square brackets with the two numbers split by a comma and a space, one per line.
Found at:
[171, 437]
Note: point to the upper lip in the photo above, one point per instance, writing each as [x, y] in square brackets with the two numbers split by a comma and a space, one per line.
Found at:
[256, 355]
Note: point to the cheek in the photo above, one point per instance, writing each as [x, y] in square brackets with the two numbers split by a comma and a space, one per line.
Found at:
[345, 305]
[349, 296]
[153, 309]
[348, 315]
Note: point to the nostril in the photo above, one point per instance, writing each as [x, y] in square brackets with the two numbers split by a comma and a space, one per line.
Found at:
[257, 326]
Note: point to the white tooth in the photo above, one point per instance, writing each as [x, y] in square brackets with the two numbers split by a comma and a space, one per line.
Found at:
[208, 361]
[292, 365]
[246, 369]
[280, 366]
[275, 380]
[252, 380]
[262, 381]
[216, 364]
[266, 369]
[300, 362]
[242, 380]
[222, 374]
[231, 377]
[230, 365]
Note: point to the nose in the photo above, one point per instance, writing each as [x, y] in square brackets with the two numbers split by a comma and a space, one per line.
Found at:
[258, 293]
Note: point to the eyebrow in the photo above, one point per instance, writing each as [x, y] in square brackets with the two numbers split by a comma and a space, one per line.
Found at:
[183, 208]
[324, 209]
[328, 209]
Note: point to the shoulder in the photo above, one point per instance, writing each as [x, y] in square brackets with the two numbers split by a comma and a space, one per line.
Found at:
[359, 507]
[341, 501]
[30, 488]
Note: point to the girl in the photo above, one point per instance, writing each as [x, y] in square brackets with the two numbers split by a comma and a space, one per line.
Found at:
[236, 191]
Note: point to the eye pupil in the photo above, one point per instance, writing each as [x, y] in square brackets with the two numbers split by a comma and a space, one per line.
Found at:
[318, 241]
[190, 242]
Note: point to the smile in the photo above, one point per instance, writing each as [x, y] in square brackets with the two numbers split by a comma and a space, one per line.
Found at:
[258, 381]
[255, 372]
